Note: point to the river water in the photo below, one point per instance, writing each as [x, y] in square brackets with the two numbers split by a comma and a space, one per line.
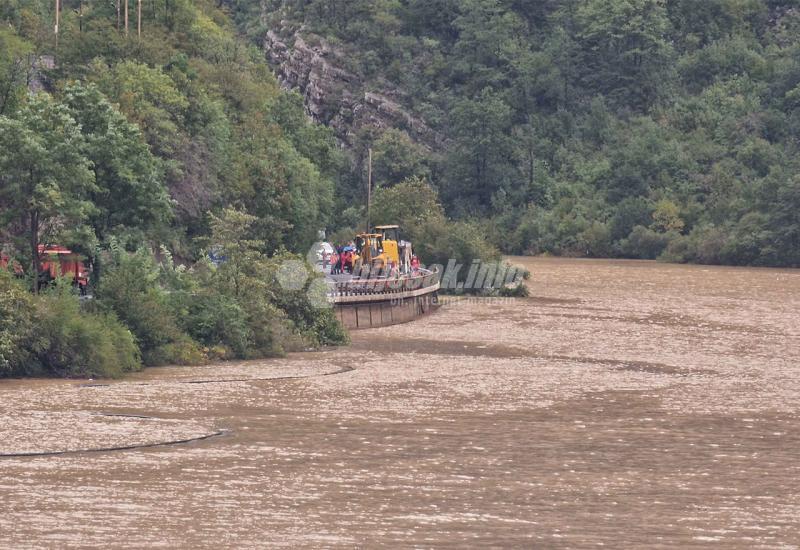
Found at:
[623, 404]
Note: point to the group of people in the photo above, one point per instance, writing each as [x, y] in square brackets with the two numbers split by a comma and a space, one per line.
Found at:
[341, 260]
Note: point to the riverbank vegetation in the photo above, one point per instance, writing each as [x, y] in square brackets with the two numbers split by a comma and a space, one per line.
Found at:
[147, 156]
[149, 312]
[622, 128]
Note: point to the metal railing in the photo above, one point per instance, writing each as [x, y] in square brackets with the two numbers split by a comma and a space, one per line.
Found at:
[385, 288]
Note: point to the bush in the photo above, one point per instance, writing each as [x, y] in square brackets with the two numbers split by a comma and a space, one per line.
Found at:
[188, 317]
[705, 245]
[129, 289]
[442, 240]
[76, 343]
[596, 240]
[523, 236]
[183, 351]
[518, 290]
[314, 325]
[217, 320]
[51, 334]
[16, 326]
[644, 243]
[750, 243]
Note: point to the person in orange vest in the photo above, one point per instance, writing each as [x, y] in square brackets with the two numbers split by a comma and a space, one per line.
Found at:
[414, 263]
[334, 263]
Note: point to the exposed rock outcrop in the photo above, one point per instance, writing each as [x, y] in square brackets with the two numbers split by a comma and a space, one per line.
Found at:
[335, 96]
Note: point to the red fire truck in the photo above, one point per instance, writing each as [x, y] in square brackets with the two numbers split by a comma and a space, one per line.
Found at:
[55, 261]
[58, 261]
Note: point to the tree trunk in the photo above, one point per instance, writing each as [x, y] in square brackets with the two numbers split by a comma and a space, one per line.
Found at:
[531, 167]
[34, 237]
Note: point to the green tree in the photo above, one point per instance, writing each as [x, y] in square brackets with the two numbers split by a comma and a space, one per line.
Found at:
[697, 24]
[232, 237]
[479, 158]
[487, 44]
[623, 49]
[433, 17]
[284, 190]
[14, 67]
[46, 179]
[129, 191]
[409, 204]
[784, 223]
[396, 157]
[148, 98]
[129, 288]
[666, 216]
[314, 141]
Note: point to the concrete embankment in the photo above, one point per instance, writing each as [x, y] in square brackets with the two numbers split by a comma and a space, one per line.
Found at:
[368, 303]
[359, 315]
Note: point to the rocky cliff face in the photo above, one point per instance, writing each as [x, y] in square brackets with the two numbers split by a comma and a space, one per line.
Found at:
[334, 96]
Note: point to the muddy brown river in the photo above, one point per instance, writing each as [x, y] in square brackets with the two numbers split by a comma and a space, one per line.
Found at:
[624, 404]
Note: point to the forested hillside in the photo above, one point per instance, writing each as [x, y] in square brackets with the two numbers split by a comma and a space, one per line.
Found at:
[614, 128]
[133, 149]
[216, 128]
[632, 128]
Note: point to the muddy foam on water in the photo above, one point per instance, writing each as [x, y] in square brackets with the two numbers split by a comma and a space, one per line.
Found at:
[624, 404]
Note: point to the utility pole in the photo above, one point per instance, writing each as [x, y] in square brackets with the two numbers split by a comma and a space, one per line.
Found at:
[369, 188]
[58, 17]
[139, 19]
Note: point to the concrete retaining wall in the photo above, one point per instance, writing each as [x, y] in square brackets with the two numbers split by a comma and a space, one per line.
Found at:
[389, 312]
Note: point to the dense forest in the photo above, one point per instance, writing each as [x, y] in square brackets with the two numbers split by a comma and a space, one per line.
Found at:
[144, 153]
[623, 128]
[153, 137]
